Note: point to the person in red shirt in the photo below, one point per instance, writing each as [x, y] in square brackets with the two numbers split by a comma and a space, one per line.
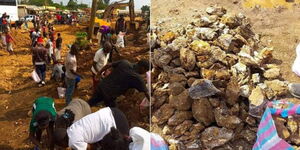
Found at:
[9, 40]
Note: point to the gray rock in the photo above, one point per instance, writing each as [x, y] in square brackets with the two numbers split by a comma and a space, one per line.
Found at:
[203, 111]
[214, 137]
[202, 88]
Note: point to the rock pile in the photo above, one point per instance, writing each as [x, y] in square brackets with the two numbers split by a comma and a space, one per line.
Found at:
[211, 80]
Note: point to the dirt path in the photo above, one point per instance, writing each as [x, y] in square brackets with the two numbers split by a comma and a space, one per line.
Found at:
[18, 91]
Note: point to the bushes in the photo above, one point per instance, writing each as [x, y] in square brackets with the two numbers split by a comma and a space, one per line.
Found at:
[81, 40]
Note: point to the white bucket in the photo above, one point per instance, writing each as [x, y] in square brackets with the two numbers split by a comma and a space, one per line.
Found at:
[35, 77]
[61, 92]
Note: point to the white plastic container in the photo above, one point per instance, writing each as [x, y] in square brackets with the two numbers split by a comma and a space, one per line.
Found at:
[61, 92]
[35, 77]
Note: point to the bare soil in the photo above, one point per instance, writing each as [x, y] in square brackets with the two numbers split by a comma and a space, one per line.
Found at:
[18, 91]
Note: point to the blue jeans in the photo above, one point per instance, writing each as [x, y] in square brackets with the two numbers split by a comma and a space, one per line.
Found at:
[70, 84]
[41, 71]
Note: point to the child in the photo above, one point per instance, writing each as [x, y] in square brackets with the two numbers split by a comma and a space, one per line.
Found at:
[9, 41]
[57, 72]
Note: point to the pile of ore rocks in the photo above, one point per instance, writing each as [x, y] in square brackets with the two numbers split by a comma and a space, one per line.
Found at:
[210, 81]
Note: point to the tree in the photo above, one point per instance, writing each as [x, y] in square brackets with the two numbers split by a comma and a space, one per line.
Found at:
[81, 6]
[101, 5]
[145, 8]
[106, 2]
[72, 4]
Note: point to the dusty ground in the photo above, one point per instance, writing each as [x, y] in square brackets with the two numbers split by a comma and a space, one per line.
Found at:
[277, 26]
[18, 91]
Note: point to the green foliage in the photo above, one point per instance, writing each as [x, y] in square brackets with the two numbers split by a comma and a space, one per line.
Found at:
[81, 6]
[72, 5]
[62, 7]
[106, 2]
[101, 5]
[145, 8]
[81, 40]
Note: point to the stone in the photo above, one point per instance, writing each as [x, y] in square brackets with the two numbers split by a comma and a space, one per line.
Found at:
[181, 101]
[282, 131]
[179, 43]
[279, 88]
[245, 91]
[206, 33]
[257, 96]
[292, 125]
[196, 129]
[227, 121]
[218, 54]
[163, 114]
[168, 37]
[179, 117]
[202, 88]
[191, 81]
[215, 102]
[272, 73]
[248, 135]
[203, 21]
[163, 77]
[250, 120]
[176, 62]
[182, 128]
[161, 59]
[167, 130]
[203, 111]
[178, 70]
[200, 47]
[192, 74]
[222, 74]
[256, 78]
[208, 74]
[219, 11]
[265, 54]
[204, 65]
[232, 92]
[177, 78]
[214, 137]
[187, 59]
[230, 20]
[175, 89]
[224, 41]
[194, 145]
[160, 97]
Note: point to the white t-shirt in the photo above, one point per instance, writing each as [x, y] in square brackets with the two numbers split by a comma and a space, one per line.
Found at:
[90, 129]
[70, 64]
[50, 50]
[101, 58]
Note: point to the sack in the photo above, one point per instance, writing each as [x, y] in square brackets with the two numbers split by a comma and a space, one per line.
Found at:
[35, 77]
[157, 142]
[120, 40]
[267, 136]
[140, 139]
[61, 92]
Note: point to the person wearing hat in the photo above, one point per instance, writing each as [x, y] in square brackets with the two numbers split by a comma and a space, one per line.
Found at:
[39, 60]
[43, 118]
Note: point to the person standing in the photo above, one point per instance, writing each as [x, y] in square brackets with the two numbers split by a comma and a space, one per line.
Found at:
[100, 60]
[9, 42]
[71, 74]
[39, 60]
[58, 46]
[120, 25]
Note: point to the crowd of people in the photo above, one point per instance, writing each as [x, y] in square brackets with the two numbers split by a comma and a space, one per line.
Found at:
[75, 126]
